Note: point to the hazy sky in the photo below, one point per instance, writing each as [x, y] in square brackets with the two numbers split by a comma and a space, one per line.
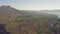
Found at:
[32, 4]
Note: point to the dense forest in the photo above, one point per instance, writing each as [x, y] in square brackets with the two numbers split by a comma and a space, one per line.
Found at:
[28, 22]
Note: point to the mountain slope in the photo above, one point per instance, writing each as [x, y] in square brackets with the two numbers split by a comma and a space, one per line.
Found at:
[26, 22]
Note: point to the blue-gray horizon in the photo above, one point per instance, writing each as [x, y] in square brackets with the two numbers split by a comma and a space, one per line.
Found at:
[32, 4]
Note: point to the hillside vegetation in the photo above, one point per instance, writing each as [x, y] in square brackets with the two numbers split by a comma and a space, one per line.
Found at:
[28, 22]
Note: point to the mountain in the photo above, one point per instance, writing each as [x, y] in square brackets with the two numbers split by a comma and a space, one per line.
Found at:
[10, 11]
[55, 12]
[27, 21]
[7, 10]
